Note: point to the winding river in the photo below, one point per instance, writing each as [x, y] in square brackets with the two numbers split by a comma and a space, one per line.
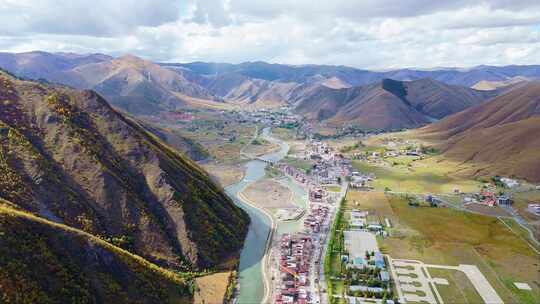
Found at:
[251, 281]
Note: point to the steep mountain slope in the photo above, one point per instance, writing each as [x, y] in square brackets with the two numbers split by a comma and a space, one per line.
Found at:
[173, 138]
[439, 100]
[69, 157]
[46, 262]
[387, 105]
[500, 136]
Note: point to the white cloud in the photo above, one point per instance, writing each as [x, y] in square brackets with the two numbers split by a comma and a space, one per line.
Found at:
[361, 33]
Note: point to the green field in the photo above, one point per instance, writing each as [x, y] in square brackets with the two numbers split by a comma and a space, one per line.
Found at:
[284, 133]
[449, 237]
[460, 289]
[424, 177]
[332, 188]
[298, 163]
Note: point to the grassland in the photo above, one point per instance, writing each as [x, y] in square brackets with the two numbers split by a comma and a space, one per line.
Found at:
[451, 237]
[424, 176]
[259, 147]
[521, 202]
[212, 288]
[284, 133]
[223, 139]
[459, 291]
[332, 188]
[298, 163]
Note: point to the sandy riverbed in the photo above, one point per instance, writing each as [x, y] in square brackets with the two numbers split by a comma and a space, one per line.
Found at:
[269, 194]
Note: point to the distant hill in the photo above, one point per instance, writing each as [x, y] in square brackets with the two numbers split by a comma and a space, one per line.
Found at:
[128, 82]
[135, 85]
[46, 262]
[357, 77]
[69, 157]
[486, 85]
[389, 104]
[43, 65]
[499, 137]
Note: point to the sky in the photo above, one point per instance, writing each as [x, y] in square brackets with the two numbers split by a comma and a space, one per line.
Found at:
[372, 34]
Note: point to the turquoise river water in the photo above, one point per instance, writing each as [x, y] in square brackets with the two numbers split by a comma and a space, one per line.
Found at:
[250, 276]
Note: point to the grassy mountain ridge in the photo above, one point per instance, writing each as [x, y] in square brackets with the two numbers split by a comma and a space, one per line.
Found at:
[69, 157]
[46, 262]
[500, 136]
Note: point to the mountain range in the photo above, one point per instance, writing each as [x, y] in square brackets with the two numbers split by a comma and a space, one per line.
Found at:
[141, 87]
[498, 137]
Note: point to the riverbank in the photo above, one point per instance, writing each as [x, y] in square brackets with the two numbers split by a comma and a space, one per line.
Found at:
[264, 263]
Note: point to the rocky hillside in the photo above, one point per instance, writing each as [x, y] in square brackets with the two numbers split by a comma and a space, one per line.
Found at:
[69, 157]
[47, 262]
[389, 104]
[498, 137]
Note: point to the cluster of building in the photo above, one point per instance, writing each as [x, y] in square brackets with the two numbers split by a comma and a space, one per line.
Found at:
[296, 252]
[366, 266]
[329, 167]
[295, 173]
[362, 220]
[276, 117]
[316, 218]
[361, 181]
[488, 198]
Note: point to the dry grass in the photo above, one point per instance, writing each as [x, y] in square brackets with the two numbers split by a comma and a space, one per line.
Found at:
[261, 147]
[224, 175]
[269, 194]
[212, 288]
[425, 176]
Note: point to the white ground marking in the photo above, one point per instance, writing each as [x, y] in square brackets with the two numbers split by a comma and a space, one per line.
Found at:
[522, 286]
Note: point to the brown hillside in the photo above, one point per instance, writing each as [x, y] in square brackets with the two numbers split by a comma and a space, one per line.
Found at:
[518, 104]
[498, 137]
[133, 84]
[387, 105]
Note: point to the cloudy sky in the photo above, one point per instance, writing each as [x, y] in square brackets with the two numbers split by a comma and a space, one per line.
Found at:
[376, 34]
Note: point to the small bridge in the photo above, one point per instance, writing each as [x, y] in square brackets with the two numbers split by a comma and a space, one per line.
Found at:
[265, 160]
